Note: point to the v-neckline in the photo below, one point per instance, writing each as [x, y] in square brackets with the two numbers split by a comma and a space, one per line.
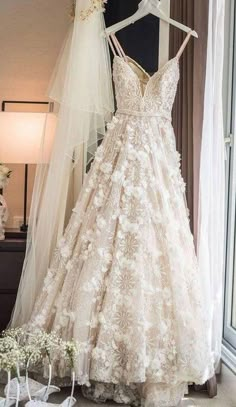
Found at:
[149, 77]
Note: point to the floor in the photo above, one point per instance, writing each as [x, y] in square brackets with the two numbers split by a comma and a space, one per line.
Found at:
[226, 395]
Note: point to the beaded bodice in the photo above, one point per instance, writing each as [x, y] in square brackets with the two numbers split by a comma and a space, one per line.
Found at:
[136, 91]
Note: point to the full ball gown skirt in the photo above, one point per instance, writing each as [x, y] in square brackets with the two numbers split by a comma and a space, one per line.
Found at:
[123, 281]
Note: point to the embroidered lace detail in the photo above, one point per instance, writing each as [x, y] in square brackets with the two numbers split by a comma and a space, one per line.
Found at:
[123, 281]
[159, 92]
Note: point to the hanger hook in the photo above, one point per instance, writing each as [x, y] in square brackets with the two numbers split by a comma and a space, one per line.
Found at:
[147, 3]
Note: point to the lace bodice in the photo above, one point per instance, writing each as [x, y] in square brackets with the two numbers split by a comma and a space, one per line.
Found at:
[155, 97]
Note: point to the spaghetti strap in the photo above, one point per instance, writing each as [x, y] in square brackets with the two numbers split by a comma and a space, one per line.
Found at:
[181, 50]
[111, 45]
[118, 46]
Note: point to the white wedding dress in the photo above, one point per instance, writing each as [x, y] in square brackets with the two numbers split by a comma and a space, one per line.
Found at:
[124, 280]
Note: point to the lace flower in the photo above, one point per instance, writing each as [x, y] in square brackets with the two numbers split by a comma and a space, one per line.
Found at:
[106, 168]
[143, 159]
[64, 248]
[128, 226]
[99, 154]
[105, 255]
[99, 199]
[65, 251]
[48, 281]
[117, 177]
[101, 222]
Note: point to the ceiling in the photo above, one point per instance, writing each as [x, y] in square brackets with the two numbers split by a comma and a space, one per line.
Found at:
[31, 35]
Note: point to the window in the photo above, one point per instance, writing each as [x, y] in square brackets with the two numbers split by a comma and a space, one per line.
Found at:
[229, 335]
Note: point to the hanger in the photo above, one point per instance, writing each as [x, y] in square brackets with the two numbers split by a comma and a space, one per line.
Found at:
[146, 7]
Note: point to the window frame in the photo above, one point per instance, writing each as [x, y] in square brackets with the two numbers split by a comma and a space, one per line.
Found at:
[229, 98]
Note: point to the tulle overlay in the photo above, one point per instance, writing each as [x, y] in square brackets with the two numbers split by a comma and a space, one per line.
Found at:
[82, 85]
[123, 281]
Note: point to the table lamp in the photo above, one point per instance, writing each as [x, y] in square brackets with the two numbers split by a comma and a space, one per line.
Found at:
[20, 142]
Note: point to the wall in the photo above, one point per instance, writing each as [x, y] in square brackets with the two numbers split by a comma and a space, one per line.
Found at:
[31, 35]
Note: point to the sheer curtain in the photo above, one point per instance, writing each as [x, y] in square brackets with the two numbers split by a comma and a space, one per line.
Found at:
[199, 132]
[212, 178]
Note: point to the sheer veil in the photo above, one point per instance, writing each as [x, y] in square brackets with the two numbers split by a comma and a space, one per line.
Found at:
[82, 86]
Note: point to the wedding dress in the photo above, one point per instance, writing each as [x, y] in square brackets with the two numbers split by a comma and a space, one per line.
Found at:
[124, 281]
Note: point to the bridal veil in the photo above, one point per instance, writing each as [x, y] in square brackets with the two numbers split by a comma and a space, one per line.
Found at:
[82, 85]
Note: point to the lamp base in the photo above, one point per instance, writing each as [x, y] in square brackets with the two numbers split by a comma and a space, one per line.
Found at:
[24, 228]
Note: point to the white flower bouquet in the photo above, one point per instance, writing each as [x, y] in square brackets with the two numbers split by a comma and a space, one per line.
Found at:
[5, 174]
[32, 348]
[26, 350]
[9, 362]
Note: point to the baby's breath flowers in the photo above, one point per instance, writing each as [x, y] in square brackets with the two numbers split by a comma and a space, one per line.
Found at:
[21, 349]
[47, 343]
[10, 358]
[35, 346]
[15, 333]
[96, 5]
[31, 347]
[10, 354]
[29, 353]
[69, 351]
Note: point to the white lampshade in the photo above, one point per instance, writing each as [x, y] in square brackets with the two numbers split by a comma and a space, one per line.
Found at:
[21, 137]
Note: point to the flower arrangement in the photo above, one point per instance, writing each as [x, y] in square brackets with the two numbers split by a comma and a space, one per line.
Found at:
[10, 357]
[5, 174]
[20, 349]
[10, 354]
[70, 351]
[96, 5]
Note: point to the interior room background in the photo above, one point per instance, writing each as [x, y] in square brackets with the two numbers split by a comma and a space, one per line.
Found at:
[29, 31]
[31, 35]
